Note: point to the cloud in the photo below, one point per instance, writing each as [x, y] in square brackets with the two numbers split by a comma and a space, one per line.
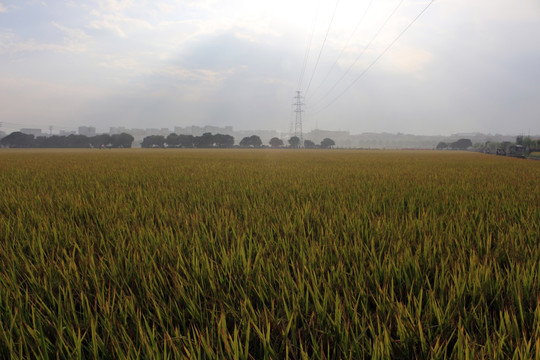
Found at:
[3, 9]
[206, 5]
[408, 60]
[243, 79]
[118, 24]
[217, 79]
[229, 51]
[492, 9]
[11, 44]
[128, 63]
[52, 102]
[75, 39]
[218, 53]
[114, 5]
[71, 33]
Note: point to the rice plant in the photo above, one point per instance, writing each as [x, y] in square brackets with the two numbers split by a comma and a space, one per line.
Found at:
[268, 254]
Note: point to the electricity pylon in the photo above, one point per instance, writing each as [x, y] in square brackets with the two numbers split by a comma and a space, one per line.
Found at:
[298, 119]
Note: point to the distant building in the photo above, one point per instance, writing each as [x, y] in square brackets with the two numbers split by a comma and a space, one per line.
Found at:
[156, 131]
[67, 133]
[87, 131]
[199, 130]
[118, 130]
[35, 132]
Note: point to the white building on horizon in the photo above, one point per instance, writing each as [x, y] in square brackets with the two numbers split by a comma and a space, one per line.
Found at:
[87, 131]
[35, 132]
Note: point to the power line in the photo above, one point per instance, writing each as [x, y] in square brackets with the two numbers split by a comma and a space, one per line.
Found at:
[380, 55]
[306, 55]
[345, 46]
[322, 47]
[308, 49]
[363, 51]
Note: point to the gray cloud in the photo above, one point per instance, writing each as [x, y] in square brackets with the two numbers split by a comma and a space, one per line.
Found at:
[245, 84]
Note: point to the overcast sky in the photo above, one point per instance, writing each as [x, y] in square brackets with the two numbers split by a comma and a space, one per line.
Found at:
[463, 66]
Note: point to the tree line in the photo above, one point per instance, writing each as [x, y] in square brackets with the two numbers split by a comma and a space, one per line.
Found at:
[527, 142]
[206, 140]
[461, 144]
[209, 140]
[525, 145]
[18, 139]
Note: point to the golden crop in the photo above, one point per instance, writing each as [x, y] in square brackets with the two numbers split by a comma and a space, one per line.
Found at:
[268, 254]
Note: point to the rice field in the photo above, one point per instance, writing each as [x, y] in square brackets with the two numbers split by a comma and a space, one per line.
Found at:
[239, 254]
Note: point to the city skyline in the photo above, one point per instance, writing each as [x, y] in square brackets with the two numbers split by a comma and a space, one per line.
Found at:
[90, 130]
[343, 139]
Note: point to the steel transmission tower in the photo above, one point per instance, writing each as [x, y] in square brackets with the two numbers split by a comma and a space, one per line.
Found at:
[298, 120]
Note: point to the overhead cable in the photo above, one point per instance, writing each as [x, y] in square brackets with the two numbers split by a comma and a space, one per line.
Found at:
[322, 47]
[308, 50]
[362, 52]
[344, 47]
[378, 57]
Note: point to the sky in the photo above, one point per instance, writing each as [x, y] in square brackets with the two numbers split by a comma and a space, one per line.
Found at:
[363, 65]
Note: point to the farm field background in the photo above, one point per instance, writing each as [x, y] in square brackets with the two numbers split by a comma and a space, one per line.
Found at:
[268, 254]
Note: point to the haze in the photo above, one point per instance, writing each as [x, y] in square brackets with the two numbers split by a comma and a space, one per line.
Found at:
[463, 66]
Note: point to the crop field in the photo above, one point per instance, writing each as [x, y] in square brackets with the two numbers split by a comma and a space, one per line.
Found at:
[268, 254]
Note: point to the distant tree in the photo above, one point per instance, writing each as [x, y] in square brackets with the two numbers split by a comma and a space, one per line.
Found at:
[308, 144]
[123, 140]
[529, 143]
[186, 141]
[70, 141]
[294, 142]
[255, 141]
[153, 141]
[172, 140]
[327, 143]
[505, 145]
[490, 147]
[479, 147]
[244, 142]
[251, 141]
[223, 140]
[100, 140]
[204, 141]
[441, 146]
[461, 144]
[77, 141]
[276, 142]
[54, 141]
[18, 140]
[40, 142]
[58, 142]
